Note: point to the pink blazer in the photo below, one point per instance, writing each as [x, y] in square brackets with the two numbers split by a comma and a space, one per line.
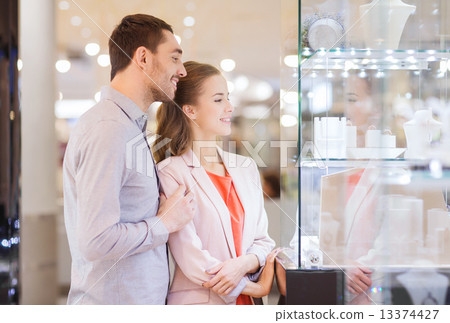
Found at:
[208, 239]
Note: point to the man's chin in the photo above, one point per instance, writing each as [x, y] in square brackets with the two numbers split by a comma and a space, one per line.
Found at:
[165, 97]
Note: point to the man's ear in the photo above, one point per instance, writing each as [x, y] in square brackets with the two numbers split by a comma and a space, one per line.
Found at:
[190, 111]
[142, 57]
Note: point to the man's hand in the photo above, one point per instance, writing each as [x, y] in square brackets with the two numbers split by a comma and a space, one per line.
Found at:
[358, 279]
[178, 210]
[265, 281]
[228, 274]
[263, 286]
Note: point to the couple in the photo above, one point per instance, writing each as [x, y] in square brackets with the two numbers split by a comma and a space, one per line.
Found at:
[210, 212]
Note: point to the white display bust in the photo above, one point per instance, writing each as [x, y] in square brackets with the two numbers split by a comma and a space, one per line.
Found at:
[425, 286]
[419, 133]
[383, 22]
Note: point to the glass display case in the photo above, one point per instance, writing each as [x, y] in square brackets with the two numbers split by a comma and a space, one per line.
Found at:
[374, 158]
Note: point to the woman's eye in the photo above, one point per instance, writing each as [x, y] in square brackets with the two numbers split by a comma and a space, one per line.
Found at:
[218, 100]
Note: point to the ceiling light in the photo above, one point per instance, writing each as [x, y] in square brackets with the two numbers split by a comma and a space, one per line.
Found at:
[256, 111]
[92, 49]
[228, 64]
[288, 121]
[189, 21]
[190, 6]
[291, 60]
[290, 97]
[188, 33]
[19, 64]
[241, 82]
[103, 60]
[259, 91]
[86, 32]
[62, 66]
[75, 21]
[380, 74]
[63, 5]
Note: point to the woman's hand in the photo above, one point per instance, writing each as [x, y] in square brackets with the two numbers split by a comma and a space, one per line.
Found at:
[263, 286]
[359, 279]
[229, 273]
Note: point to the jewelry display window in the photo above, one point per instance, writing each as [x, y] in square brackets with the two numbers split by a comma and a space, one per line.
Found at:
[374, 148]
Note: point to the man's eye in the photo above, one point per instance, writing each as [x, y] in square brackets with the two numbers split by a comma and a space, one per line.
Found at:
[218, 100]
[175, 59]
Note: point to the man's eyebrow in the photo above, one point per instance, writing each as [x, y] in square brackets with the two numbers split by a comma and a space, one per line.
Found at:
[178, 50]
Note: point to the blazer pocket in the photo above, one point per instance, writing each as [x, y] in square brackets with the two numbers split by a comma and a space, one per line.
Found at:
[188, 297]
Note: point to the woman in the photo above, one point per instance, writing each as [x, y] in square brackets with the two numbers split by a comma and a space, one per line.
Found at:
[227, 241]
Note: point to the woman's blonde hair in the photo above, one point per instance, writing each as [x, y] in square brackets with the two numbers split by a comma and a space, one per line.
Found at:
[172, 122]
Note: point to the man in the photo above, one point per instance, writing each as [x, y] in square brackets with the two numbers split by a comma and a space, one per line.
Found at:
[117, 230]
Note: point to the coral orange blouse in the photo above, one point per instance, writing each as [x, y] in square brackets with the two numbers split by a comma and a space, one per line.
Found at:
[224, 185]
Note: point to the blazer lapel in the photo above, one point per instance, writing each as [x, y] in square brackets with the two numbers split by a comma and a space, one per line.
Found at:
[242, 187]
[203, 180]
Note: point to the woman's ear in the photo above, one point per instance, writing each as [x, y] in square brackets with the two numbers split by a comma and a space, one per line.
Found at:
[189, 110]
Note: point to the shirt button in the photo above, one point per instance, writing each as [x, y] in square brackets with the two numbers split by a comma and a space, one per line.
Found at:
[145, 117]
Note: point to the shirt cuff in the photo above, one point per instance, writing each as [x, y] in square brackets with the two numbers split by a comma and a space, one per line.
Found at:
[255, 276]
[258, 253]
[157, 233]
[231, 297]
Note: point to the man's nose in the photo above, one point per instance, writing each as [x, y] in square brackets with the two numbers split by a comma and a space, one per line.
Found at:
[181, 71]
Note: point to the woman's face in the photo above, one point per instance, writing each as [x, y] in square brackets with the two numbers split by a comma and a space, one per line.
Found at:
[213, 110]
[358, 101]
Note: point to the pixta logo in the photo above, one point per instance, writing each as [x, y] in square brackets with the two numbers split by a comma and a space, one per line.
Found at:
[138, 154]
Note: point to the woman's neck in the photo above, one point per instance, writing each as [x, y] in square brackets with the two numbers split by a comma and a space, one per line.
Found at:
[206, 152]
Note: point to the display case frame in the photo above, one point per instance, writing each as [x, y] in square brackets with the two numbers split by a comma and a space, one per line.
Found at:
[383, 178]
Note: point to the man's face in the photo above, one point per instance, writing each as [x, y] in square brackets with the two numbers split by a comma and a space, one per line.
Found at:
[166, 69]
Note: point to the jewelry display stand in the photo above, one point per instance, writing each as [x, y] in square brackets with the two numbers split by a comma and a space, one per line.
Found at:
[383, 22]
[419, 132]
[425, 286]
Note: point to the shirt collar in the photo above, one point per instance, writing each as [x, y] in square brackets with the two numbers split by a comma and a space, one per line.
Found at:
[127, 105]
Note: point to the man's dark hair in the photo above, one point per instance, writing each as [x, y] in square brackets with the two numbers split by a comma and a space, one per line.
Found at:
[132, 32]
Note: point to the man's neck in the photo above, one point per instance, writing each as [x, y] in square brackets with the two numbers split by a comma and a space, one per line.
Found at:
[133, 91]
